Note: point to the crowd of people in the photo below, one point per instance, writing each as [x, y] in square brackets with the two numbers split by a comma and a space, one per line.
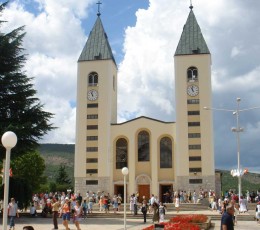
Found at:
[74, 206]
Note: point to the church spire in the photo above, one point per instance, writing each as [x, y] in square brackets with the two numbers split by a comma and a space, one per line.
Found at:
[192, 40]
[97, 46]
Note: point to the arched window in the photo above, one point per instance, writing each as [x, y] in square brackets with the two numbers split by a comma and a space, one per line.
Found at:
[121, 153]
[165, 152]
[192, 74]
[93, 79]
[143, 146]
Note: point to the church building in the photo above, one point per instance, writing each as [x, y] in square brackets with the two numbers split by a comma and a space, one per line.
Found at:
[161, 156]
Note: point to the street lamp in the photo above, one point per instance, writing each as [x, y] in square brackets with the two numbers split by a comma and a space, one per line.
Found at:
[125, 172]
[9, 140]
[237, 130]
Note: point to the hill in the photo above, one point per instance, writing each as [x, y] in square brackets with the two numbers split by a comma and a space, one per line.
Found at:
[57, 154]
[250, 182]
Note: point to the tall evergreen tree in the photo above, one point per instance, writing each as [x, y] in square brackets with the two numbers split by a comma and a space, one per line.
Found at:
[62, 176]
[20, 110]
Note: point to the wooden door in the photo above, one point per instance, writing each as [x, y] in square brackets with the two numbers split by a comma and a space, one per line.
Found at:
[144, 190]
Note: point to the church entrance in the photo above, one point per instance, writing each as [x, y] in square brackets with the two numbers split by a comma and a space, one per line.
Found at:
[119, 189]
[144, 190]
[166, 193]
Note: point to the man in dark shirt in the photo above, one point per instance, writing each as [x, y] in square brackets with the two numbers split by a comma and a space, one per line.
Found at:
[227, 218]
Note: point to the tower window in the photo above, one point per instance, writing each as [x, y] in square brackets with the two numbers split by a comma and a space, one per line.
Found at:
[91, 171]
[193, 123]
[192, 74]
[92, 138]
[121, 153]
[91, 182]
[92, 149]
[93, 105]
[193, 101]
[195, 170]
[165, 153]
[92, 116]
[195, 158]
[92, 127]
[194, 112]
[194, 135]
[143, 146]
[92, 160]
[93, 79]
[194, 146]
[195, 181]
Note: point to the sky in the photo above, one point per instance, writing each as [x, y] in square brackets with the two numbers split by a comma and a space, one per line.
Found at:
[144, 35]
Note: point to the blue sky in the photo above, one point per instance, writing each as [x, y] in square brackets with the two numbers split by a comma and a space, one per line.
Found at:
[144, 35]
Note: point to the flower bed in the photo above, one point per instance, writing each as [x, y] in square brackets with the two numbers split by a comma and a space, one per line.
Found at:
[189, 219]
[184, 222]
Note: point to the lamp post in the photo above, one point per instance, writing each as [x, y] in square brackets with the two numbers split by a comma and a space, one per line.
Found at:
[237, 130]
[125, 172]
[9, 140]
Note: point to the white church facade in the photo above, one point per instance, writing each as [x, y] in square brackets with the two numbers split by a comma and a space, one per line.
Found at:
[161, 156]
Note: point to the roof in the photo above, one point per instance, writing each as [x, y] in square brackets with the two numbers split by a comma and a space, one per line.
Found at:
[144, 117]
[97, 46]
[192, 40]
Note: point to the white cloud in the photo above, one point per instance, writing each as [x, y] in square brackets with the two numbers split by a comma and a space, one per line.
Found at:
[55, 38]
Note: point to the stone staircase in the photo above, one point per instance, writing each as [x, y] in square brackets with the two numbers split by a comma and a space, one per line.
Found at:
[186, 208]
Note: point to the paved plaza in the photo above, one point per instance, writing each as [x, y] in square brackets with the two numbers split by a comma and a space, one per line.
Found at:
[115, 223]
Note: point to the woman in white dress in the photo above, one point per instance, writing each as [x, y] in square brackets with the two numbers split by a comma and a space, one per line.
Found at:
[177, 203]
[131, 204]
[162, 208]
[243, 205]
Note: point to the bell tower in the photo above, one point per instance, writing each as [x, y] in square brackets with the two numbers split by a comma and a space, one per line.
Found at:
[194, 128]
[96, 110]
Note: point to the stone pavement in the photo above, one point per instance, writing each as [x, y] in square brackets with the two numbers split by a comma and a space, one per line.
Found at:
[114, 224]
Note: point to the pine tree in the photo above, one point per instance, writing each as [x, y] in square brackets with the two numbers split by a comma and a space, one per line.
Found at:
[62, 176]
[20, 110]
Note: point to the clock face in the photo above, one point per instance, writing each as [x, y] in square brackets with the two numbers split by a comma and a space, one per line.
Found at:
[193, 90]
[92, 95]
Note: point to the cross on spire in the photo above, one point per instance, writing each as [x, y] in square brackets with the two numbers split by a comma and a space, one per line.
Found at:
[99, 3]
[191, 5]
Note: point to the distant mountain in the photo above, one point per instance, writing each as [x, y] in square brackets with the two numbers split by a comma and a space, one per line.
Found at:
[250, 182]
[57, 154]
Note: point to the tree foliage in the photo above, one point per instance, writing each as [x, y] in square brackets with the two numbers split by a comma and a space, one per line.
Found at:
[27, 176]
[29, 167]
[62, 176]
[20, 110]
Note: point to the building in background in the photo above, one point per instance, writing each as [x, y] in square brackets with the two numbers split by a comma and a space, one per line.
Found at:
[161, 156]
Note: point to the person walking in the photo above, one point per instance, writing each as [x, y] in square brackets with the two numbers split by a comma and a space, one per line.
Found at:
[227, 222]
[135, 204]
[12, 212]
[66, 213]
[177, 202]
[155, 212]
[144, 209]
[77, 214]
[162, 209]
[55, 211]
